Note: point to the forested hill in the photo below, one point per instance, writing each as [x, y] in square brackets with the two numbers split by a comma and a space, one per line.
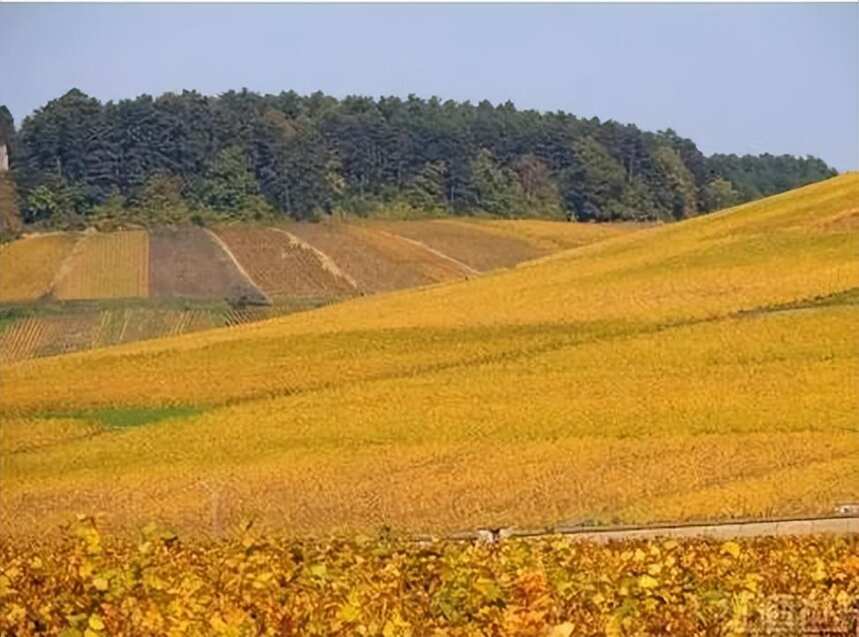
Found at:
[182, 156]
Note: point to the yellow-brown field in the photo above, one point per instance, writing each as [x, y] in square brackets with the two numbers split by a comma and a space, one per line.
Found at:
[280, 265]
[552, 236]
[110, 265]
[29, 266]
[374, 261]
[702, 369]
[477, 245]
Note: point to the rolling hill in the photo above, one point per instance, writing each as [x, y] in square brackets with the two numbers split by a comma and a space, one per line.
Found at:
[700, 369]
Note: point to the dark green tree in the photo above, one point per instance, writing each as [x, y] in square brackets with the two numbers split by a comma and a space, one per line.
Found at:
[539, 190]
[229, 184]
[593, 185]
[427, 190]
[309, 154]
[677, 194]
[497, 188]
[718, 194]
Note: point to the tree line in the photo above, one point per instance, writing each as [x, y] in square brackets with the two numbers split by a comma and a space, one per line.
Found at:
[242, 155]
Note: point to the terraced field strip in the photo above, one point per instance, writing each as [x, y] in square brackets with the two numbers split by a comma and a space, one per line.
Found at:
[238, 265]
[411, 255]
[468, 243]
[37, 336]
[327, 262]
[21, 339]
[463, 266]
[284, 266]
[78, 329]
[189, 263]
[376, 262]
[71, 333]
[29, 266]
[53, 334]
[107, 265]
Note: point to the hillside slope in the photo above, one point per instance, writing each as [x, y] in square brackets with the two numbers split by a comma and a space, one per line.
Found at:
[706, 368]
[65, 292]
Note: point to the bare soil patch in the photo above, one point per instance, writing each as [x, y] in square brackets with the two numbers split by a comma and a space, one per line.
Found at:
[188, 263]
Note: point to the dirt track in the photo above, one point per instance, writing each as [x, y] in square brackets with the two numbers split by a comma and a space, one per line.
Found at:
[842, 524]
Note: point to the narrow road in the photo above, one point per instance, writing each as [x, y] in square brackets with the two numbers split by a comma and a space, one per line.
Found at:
[842, 524]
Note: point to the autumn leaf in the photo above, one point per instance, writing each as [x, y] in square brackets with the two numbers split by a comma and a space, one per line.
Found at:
[731, 548]
[95, 622]
[648, 582]
[562, 630]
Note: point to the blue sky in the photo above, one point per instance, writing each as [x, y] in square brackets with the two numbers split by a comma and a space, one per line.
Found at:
[780, 78]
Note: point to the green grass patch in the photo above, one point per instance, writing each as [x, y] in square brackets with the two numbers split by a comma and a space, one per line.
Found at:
[125, 417]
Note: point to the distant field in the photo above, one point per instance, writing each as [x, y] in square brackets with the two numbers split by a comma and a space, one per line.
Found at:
[282, 266]
[377, 262]
[29, 266]
[471, 242]
[58, 329]
[110, 288]
[22, 339]
[189, 263]
[701, 369]
[112, 265]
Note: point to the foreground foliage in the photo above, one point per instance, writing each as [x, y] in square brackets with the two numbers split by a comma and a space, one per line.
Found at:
[555, 586]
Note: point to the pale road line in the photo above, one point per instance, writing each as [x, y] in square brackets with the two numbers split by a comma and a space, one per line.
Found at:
[66, 265]
[437, 253]
[328, 264]
[220, 242]
[841, 525]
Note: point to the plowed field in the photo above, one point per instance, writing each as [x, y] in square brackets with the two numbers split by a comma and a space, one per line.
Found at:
[282, 266]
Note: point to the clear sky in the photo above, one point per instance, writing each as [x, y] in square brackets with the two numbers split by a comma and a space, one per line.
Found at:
[779, 78]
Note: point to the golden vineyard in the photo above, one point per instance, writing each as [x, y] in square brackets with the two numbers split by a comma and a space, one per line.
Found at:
[700, 369]
[704, 369]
